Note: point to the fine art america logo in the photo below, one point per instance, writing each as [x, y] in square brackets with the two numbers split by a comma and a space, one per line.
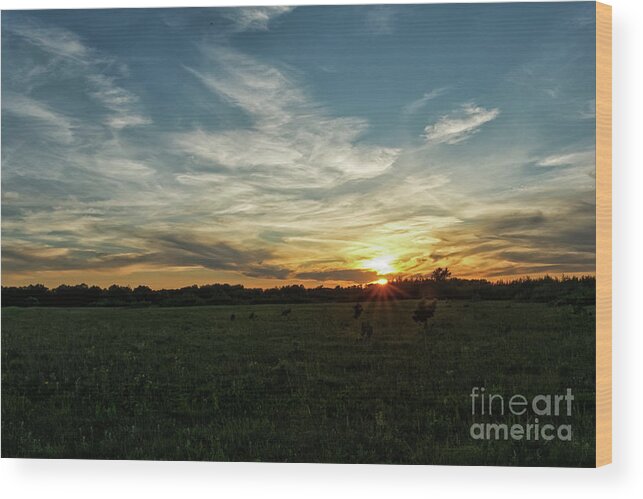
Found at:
[538, 411]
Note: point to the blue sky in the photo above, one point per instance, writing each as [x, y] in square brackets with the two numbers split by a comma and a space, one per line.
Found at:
[270, 145]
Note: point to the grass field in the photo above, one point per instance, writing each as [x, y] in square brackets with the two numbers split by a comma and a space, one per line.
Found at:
[191, 384]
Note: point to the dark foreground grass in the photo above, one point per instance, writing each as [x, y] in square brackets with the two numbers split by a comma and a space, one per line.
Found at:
[190, 384]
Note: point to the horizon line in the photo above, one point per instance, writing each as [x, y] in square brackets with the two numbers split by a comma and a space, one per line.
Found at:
[390, 281]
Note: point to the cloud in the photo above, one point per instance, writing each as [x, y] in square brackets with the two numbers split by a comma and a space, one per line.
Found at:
[346, 275]
[379, 20]
[457, 127]
[119, 167]
[266, 271]
[588, 110]
[188, 250]
[585, 158]
[118, 100]
[292, 142]
[48, 122]
[418, 104]
[22, 257]
[73, 59]
[505, 243]
[54, 40]
[254, 18]
[169, 250]
[222, 148]
[119, 121]
[10, 196]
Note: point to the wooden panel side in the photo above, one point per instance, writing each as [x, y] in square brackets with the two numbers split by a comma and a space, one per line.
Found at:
[603, 234]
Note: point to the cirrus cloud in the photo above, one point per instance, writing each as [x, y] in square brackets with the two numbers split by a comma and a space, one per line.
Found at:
[255, 18]
[458, 127]
[293, 142]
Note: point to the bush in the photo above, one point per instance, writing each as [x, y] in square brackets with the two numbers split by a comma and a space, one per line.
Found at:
[425, 311]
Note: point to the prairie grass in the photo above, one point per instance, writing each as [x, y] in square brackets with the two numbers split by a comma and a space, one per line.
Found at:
[190, 384]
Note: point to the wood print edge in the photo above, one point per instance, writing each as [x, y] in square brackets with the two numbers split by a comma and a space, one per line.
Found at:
[603, 234]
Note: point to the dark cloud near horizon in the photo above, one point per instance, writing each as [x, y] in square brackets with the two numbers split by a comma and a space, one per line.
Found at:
[528, 242]
[355, 275]
[173, 250]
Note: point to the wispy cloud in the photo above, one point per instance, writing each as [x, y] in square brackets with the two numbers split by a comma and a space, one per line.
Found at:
[586, 158]
[254, 18]
[56, 41]
[119, 121]
[121, 102]
[72, 58]
[45, 120]
[419, 104]
[293, 142]
[457, 127]
[380, 19]
[588, 110]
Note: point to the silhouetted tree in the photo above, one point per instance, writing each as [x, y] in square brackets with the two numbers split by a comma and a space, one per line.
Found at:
[566, 291]
[441, 274]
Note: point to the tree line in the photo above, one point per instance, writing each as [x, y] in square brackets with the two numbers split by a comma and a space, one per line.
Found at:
[577, 291]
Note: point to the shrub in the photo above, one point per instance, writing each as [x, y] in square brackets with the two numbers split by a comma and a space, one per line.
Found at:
[425, 311]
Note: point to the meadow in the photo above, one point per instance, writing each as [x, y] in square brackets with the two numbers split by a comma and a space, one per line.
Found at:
[193, 384]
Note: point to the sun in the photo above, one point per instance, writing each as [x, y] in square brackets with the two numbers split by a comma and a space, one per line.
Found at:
[382, 281]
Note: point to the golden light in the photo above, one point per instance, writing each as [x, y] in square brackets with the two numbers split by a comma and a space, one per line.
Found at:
[382, 281]
[381, 265]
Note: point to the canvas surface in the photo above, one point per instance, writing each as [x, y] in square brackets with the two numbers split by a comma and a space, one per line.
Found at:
[343, 234]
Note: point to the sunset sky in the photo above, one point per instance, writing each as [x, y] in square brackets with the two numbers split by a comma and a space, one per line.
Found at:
[313, 145]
